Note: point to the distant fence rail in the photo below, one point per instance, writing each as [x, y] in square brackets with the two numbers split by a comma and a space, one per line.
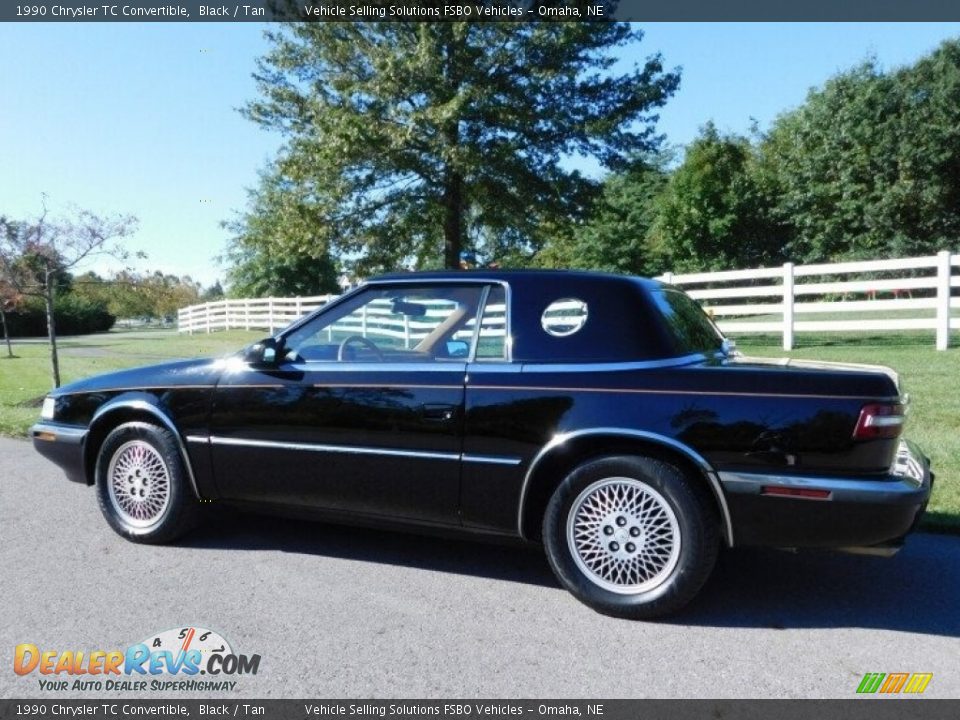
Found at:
[259, 314]
[878, 296]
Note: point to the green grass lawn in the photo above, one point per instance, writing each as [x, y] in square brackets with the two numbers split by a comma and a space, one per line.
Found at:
[25, 379]
[930, 377]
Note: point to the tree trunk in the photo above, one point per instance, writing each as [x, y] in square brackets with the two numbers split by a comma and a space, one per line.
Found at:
[6, 332]
[48, 296]
[452, 221]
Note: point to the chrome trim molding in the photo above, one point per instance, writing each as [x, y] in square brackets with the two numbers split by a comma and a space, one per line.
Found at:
[341, 367]
[491, 459]
[137, 388]
[691, 454]
[657, 391]
[478, 323]
[354, 450]
[144, 406]
[614, 366]
[344, 449]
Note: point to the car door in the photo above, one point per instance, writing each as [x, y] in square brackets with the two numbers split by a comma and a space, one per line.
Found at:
[361, 413]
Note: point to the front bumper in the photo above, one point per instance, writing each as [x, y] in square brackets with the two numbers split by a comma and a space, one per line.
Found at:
[854, 512]
[63, 445]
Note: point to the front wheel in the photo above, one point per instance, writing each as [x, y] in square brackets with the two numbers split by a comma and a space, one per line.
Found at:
[631, 536]
[142, 485]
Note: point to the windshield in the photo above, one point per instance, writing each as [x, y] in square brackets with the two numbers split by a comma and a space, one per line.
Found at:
[691, 328]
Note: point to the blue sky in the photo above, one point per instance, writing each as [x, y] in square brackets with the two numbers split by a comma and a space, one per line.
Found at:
[141, 118]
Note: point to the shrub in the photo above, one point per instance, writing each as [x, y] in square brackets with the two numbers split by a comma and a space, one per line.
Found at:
[74, 316]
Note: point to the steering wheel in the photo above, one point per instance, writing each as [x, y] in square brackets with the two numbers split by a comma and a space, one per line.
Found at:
[363, 341]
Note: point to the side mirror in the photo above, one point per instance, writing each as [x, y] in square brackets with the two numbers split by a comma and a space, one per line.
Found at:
[262, 353]
[729, 348]
[458, 348]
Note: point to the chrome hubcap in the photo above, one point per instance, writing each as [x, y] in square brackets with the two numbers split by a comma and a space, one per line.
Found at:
[139, 483]
[623, 535]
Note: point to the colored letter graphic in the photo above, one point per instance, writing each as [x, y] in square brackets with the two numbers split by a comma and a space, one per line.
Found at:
[894, 683]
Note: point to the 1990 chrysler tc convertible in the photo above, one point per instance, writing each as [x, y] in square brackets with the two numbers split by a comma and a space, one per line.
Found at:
[603, 415]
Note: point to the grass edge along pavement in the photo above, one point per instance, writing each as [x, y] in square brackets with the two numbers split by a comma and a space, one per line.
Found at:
[927, 375]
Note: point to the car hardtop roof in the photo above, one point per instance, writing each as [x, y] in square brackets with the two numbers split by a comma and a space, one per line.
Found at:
[535, 275]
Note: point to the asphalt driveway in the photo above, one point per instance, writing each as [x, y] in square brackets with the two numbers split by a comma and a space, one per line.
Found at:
[338, 612]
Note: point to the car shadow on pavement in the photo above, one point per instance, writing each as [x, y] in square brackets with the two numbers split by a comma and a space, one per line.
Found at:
[513, 562]
[915, 591]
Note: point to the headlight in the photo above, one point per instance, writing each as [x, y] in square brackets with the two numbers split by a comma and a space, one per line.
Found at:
[49, 406]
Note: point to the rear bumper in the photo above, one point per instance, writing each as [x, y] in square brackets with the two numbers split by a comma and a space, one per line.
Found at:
[853, 512]
[62, 445]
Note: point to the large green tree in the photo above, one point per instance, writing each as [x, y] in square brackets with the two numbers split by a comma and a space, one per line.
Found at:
[278, 245]
[869, 165]
[409, 142]
[716, 213]
[616, 234]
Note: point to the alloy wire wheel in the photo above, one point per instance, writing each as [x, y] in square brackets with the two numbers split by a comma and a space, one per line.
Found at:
[632, 536]
[623, 535]
[139, 483]
[143, 487]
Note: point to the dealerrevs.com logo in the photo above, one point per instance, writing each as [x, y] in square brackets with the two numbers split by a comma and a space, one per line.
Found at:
[183, 653]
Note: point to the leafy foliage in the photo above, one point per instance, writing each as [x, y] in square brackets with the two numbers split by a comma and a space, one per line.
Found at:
[134, 295]
[37, 255]
[869, 165]
[75, 315]
[279, 248]
[407, 142]
[715, 213]
[615, 237]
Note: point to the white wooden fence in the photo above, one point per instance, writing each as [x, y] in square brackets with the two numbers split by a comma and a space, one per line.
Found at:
[875, 295]
[260, 314]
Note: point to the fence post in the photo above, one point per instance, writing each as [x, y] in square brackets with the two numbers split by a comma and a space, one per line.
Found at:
[788, 306]
[406, 331]
[270, 314]
[246, 314]
[943, 300]
[363, 321]
[668, 278]
[226, 313]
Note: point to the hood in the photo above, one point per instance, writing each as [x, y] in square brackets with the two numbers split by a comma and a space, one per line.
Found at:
[180, 373]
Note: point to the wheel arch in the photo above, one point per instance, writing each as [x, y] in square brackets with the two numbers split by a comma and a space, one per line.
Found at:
[129, 408]
[567, 450]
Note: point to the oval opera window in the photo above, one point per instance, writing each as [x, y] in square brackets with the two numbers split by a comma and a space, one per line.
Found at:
[564, 317]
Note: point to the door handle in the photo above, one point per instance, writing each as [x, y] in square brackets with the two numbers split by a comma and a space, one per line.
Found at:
[438, 413]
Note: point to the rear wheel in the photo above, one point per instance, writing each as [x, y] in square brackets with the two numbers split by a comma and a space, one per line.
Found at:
[142, 485]
[631, 536]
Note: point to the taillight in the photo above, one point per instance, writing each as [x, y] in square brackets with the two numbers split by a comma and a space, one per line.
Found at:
[879, 422]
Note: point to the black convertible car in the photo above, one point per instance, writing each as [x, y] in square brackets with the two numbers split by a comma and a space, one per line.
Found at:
[603, 415]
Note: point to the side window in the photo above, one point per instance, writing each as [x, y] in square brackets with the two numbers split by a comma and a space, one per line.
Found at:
[391, 324]
[492, 339]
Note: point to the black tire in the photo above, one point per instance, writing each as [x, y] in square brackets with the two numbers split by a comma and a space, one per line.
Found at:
[682, 571]
[147, 458]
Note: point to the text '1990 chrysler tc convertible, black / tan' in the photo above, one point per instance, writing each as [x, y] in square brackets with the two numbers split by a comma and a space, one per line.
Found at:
[603, 415]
